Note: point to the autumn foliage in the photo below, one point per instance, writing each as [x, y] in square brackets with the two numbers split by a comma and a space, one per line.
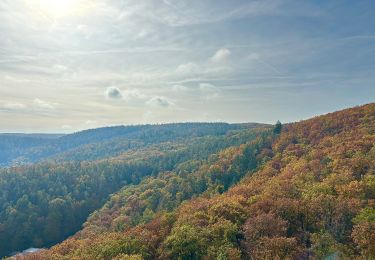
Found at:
[306, 193]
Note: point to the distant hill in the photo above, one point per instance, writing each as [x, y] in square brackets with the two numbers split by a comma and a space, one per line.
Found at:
[14, 146]
[18, 149]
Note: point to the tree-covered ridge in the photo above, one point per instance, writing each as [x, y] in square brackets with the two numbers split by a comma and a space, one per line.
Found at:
[313, 197]
[103, 142]
[42, 204]
[138, 146]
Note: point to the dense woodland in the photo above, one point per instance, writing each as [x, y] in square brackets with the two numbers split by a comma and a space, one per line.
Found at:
[93, 144]
[305, 190]
[44, 203]
[297, 191]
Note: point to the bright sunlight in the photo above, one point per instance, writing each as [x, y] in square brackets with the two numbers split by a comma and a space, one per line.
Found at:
[55, 8]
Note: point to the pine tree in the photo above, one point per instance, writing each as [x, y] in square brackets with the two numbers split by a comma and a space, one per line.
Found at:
[277, 127]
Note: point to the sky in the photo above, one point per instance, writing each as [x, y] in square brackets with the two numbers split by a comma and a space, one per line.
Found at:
[72, 65]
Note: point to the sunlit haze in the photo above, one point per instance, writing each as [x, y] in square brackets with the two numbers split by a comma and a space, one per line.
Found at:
[54, 8]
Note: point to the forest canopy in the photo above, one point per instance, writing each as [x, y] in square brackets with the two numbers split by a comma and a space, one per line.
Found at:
[43, 203]
[304, 190]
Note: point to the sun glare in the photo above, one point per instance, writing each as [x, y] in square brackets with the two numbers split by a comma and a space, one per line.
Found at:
[55, 8]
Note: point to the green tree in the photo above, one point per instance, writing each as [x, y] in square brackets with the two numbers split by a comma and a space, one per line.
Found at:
[277, 128]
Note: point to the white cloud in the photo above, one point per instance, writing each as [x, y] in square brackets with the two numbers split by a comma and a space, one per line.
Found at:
[187, 68]
[38, 105]
[142, 34]
[15, 79]
[179, 88]
[84, 30]
[113, 93]
[159, 101]
[59, 67]
[185, 13]
[43, 105]
[210, 91]
[207, 87]
[133, 94]
[221, 55]
[14, 106]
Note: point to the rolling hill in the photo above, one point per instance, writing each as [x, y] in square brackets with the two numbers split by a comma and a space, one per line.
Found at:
[43, 203]
[19, 149]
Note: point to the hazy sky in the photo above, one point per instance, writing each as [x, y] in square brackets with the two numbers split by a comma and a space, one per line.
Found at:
[69, 65]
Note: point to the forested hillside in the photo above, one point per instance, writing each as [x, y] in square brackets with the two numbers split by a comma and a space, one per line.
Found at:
[307, 190]
[44, 203]
[17, 149]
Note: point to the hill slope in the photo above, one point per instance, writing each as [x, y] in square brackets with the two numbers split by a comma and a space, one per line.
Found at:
[41, 204]
[93, 144]
[313, 195]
